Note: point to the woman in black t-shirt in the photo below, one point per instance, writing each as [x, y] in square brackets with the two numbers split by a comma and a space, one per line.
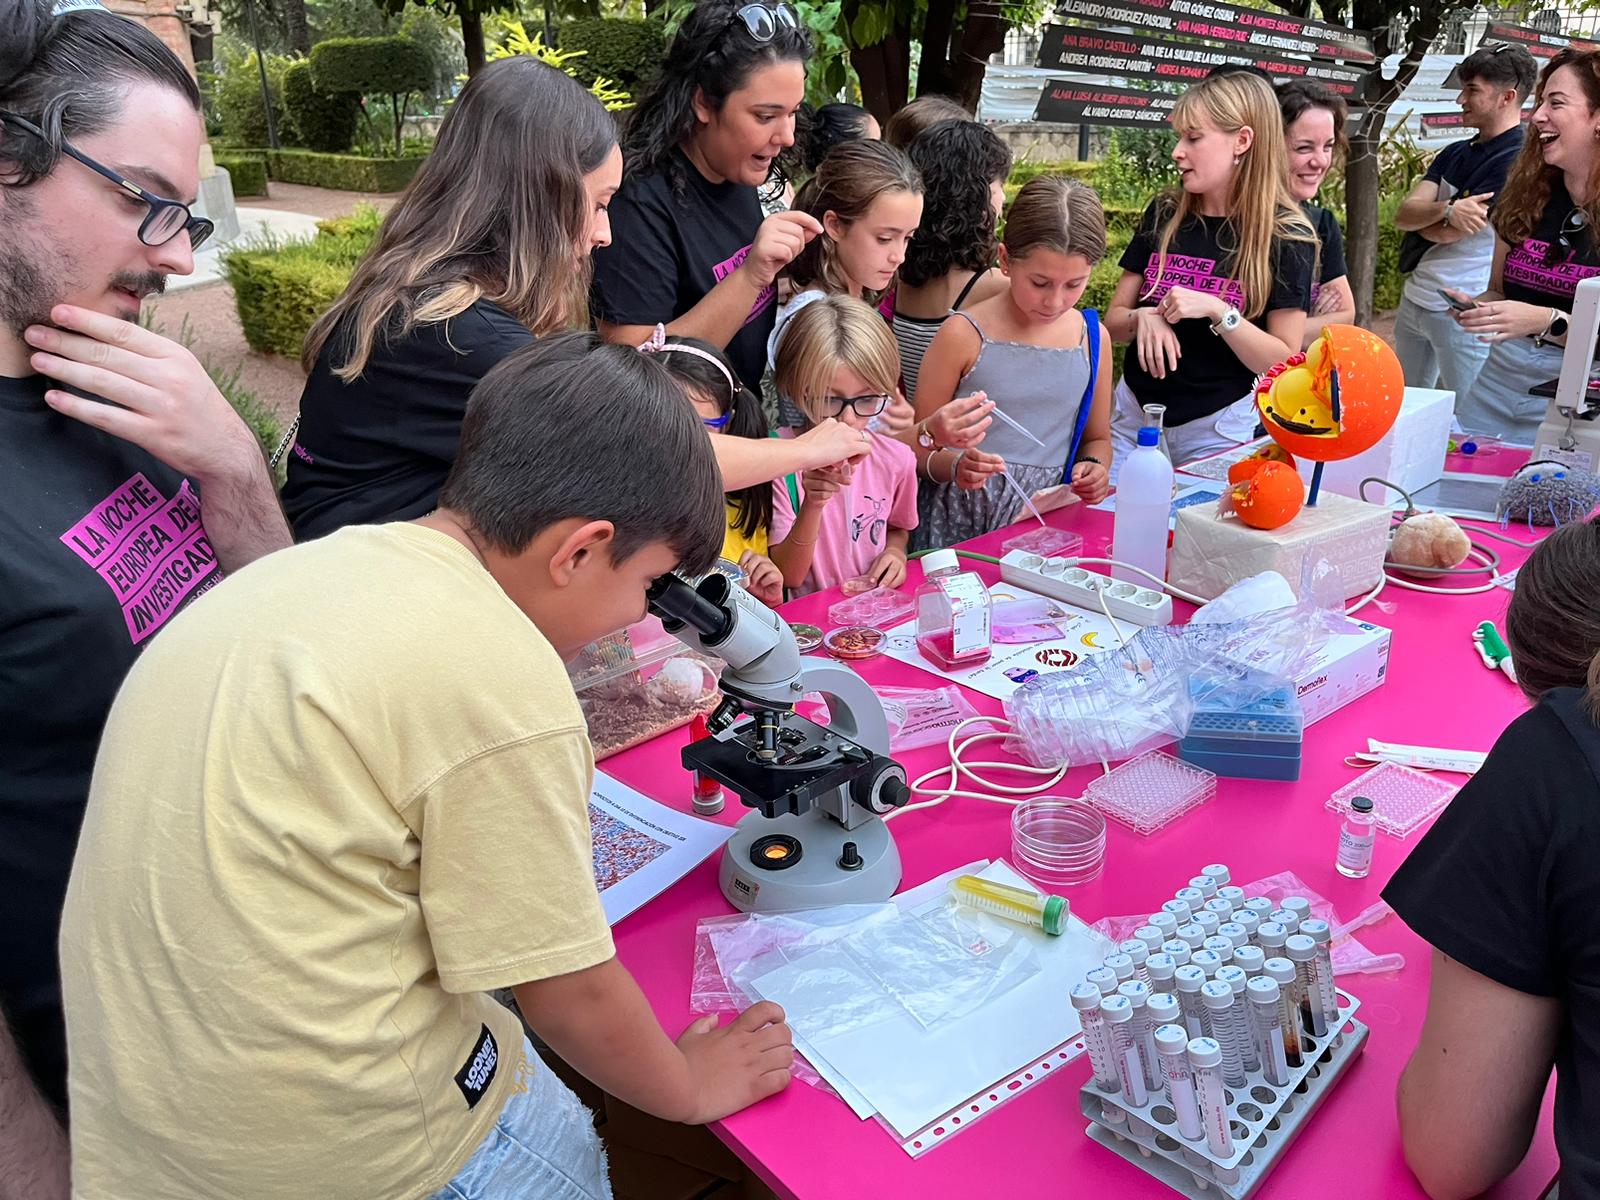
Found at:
[1545, 223]
[1506, 889]
[1217, 280]
[691, 249]
[487, 249]
[1314, 134]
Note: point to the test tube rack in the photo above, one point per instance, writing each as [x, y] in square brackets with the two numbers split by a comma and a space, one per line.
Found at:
[1060, 579]
[1264, 1119]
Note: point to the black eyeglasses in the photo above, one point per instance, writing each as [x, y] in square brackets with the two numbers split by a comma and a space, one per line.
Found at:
[166, 218]
[1576, 221]
[864, 406]
[763, 20]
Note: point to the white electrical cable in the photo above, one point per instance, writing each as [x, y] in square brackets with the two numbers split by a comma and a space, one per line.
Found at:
[1482, 557]
[1368, 598]
[959, 769]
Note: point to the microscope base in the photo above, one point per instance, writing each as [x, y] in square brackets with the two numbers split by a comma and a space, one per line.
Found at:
[814, 879]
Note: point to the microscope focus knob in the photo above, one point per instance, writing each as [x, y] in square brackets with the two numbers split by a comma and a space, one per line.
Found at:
[883, 789]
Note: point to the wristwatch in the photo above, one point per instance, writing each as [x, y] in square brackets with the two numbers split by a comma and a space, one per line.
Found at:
[924, 438]
[1230, 320]
[1556, 328]
[1449, 207]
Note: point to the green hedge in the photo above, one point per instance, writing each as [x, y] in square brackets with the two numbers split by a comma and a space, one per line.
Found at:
[390, 65]
[346, 172]
[281, 290]
[628, 53]
[240, 110]
[248, 172]
[323, 121]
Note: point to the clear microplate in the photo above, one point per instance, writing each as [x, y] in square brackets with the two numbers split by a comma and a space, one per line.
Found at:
[1402, 798]
[1145, 793]
[1045, 541]
[881, 608]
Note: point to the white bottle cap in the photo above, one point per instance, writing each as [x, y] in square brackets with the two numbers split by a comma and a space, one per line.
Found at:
[1117, 1009]
[1203, 1053]
[1191, 979]
[1221, 907]
[1178, 949]
[1103, 978]
[1233, 895]
[1205, 885]
[1249, 959]
[1171, 1039]
[1150, 936]
[1280, 970]
[1122, 965]
[1234, 932]
[1263, 990]
[1207, 960]
[1298, 905]
[1317, 931]
[1271, 935]
[1192, 896]
[1289, 920]
[1209, 921]
[1247, 920]
[1136, 950]
[1220, 946]
[1179, 909]
[1163, 1007]
[1300, 948]
[1085, 997]
[1193, 934]
[1166, 922]
[1259, 905]
[1234, 976]
[939, 560]
[1216, 994]
[1160, 967]
[1218, 873]
[1137, 991]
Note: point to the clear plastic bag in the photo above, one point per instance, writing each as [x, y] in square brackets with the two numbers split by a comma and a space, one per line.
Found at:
[923, 716]
[1025, 619]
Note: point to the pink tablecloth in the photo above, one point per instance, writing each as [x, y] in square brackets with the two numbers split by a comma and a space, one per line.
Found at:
[807, 1144]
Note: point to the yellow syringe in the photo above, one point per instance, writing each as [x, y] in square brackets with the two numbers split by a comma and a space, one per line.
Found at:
[1048, 913]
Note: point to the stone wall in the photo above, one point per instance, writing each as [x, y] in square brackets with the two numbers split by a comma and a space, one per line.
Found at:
[1043, 141]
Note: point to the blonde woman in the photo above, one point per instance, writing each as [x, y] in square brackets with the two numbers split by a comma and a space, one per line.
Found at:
[839, 362]
[1216, 283]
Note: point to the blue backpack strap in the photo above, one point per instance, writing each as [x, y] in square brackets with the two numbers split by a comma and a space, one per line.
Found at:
[1091, 323]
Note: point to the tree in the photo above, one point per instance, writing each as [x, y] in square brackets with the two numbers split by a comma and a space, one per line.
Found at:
[391, 66]
[470, 13]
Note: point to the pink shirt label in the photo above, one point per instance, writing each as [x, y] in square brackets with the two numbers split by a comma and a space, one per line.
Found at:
[151, 551]
[1190, 271]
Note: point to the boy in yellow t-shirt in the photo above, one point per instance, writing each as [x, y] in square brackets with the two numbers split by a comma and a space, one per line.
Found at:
[345, 795]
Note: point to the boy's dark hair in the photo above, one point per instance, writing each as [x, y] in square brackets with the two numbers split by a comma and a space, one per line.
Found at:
[746, 419]
[574, 427]
[68, 75]
[1505, 64]
[958, 161]
[1553, 621]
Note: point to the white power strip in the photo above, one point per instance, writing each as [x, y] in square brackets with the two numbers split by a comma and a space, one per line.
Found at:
[1060, 580]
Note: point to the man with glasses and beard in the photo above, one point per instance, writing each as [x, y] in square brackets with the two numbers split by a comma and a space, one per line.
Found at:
[130, 485]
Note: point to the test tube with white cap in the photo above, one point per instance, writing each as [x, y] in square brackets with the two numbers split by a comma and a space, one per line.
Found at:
[1298, 905]
[1118, 1012]
[1250, 958]
[1220, 1026]
[1191, 933]
[1151, 936]
[1270, 936]
[1221, 907]
[1122, 964]
[1193, 897]
[1143, 1028]
[1234, 932]
[1266, 1024]
[1259, 905]
[1233, 895]
[1248, 920]
[1319, 933]
[1220, 946]
[1218, 874]
[1178, 949]
[1289, 920]
[1234, 976]
[1159, 967]
[1102, 1058]
[1140, 954]
[1178, 909]
[1209, 921]
[1205, 885]
[1205, 1063]
[1188, 981]
[1172, 1044]
[1105, 979]
[1282, 972]
[1207, 960]
[1166, 922]
[1302, 952]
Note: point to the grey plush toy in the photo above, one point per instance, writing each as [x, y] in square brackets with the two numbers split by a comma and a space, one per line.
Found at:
[1547, 493]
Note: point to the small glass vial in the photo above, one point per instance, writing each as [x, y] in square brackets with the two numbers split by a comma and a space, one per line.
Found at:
[953, 613]
[1356, 837]
[706, 794]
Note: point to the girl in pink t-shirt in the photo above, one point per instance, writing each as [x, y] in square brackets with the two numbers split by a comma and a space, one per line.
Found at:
[838, 359]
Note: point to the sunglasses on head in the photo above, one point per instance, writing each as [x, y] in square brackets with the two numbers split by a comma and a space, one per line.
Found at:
[1575, 223]
[763, 21]
[165, 220]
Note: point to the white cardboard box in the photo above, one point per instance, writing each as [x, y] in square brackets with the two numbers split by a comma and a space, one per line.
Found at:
[1411, 454]
[1348, 667]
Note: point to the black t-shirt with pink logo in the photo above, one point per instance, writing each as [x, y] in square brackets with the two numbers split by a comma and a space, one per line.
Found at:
[1542, 271]
[100, 545]
[1209, 376]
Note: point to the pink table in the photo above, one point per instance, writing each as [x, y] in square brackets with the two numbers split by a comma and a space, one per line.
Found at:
[804, 1143]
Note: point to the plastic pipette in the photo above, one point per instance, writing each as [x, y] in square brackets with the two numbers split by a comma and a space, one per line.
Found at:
[1048, 913]
[1021, 495]
[1375, 965]
[1371, 915]
[1015, 424]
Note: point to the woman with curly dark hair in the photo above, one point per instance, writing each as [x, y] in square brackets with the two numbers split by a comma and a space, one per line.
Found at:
[950, 262]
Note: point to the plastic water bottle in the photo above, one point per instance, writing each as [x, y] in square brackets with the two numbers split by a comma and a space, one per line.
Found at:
[1144, 504]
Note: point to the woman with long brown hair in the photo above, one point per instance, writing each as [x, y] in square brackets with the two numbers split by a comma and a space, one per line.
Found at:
[1545, 244]
[487, 249]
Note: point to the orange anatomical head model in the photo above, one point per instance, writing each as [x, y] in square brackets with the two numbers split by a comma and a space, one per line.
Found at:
[1337, 399]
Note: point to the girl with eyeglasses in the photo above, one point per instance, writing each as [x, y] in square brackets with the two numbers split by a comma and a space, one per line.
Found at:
[838, 361]
[727, 408]
[1545, 244]
[691, 248]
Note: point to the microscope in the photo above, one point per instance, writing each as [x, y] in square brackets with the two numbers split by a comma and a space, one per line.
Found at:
[816, 835]
[1571, 429]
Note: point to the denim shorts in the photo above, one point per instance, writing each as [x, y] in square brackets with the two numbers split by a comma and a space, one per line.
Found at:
[543, 1147]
